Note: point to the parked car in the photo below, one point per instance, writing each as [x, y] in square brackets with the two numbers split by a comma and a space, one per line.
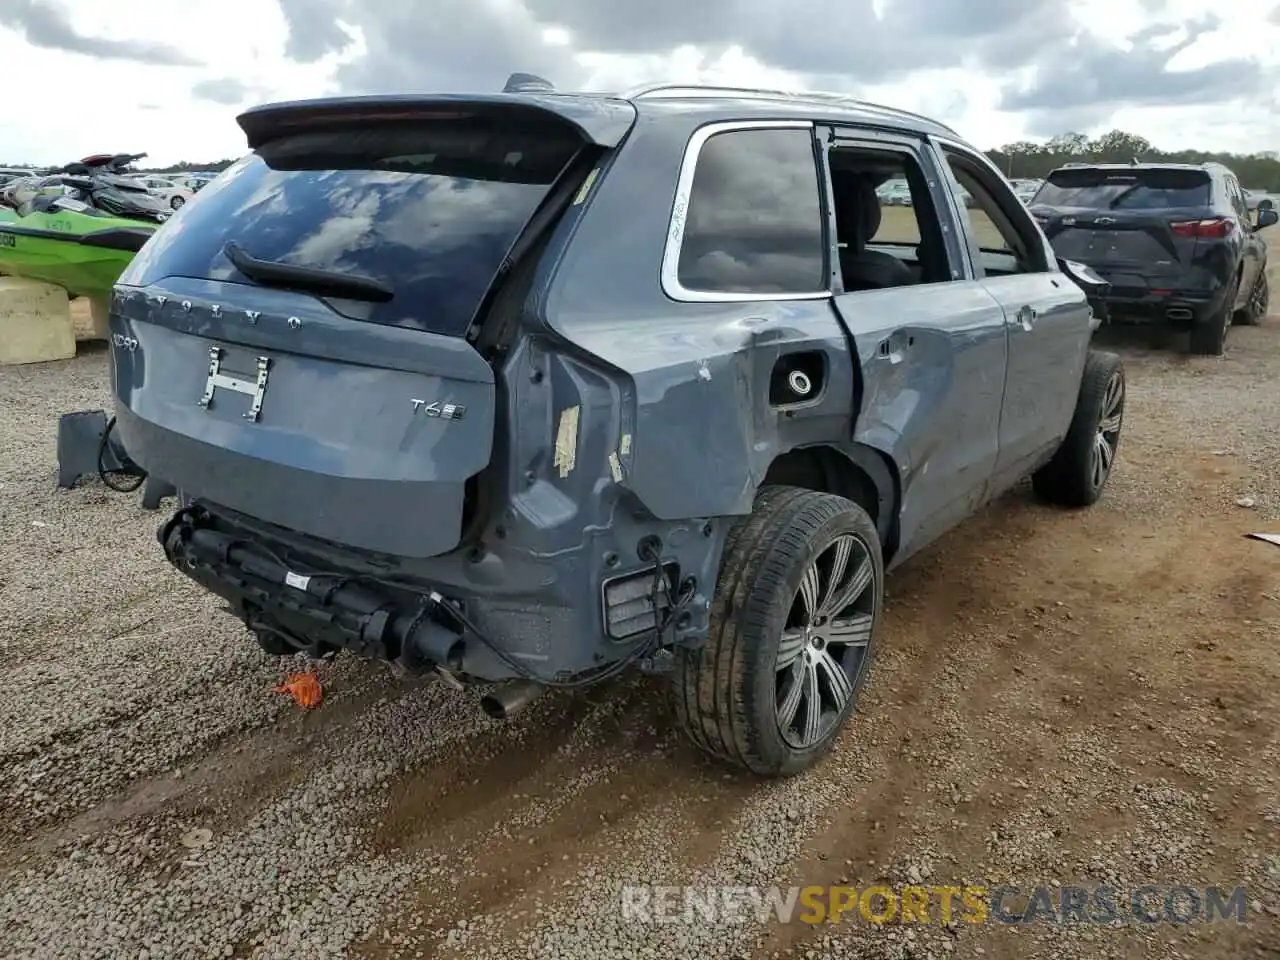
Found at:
[1176, 241]
[1259, 199]
[1024, 190]
[482, 431]
[173, 194]
[9, 174]
[197, 183]
[895, 193]
[191, 182]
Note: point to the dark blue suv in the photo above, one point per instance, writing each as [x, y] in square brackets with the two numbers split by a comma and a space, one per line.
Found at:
[533, 388]
[1177, 242]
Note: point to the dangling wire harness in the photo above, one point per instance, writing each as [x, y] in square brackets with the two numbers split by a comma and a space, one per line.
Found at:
[128, 468]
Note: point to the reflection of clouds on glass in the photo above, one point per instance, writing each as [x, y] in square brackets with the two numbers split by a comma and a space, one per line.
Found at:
[754, 221]
[436, 238]
[347, 231]
[266, 200]
[451, 201]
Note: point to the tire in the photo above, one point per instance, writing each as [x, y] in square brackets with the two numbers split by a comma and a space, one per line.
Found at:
[1209, 339]
[1255, 311]
[729, 695]
[1080, 468]
[176, 203]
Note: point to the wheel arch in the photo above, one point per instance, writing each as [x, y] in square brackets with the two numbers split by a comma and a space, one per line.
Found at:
[856, 472]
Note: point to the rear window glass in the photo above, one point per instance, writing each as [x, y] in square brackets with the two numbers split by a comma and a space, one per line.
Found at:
[1125, 189]
[430, 209]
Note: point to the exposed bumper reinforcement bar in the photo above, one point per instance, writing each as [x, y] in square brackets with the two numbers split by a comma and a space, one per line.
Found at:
[315, 612]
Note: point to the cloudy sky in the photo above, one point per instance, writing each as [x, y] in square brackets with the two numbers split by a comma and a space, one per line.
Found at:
[87, 76]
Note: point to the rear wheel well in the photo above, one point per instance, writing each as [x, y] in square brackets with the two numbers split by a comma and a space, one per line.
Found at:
[866, 479]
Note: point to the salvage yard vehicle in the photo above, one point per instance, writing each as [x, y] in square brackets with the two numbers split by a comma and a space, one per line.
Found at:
[425, 401]
[173, 193]
[1024, 190]
[1177, 242]
[894, 193]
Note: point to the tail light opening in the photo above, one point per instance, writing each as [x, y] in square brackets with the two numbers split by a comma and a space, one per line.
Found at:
[1214, 229]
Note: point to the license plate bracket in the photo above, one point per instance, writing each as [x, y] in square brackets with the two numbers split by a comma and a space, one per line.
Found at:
[254, 387]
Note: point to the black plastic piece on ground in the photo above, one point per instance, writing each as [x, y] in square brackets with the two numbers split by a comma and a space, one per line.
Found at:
[79, 444]
[88, 447]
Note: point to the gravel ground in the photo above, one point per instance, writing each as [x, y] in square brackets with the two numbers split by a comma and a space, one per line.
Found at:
[1060, 697]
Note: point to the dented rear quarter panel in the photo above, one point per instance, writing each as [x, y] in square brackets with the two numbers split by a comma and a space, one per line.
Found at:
[696, 375]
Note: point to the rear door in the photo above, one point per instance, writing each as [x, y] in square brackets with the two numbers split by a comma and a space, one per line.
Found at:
[1137, 227]
[301, 339]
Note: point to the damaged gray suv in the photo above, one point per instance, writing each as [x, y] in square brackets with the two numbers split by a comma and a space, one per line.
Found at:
[532, 388]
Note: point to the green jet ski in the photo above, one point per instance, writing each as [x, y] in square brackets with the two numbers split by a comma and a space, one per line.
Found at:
[79, 227]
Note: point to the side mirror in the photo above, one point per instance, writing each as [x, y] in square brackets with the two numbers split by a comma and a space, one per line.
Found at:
[1095, 288]
[1085, 277]
[1266, 203]
[1266, 217]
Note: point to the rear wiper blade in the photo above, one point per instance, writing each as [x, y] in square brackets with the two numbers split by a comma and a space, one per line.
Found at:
[1115, 201]
[313, 279]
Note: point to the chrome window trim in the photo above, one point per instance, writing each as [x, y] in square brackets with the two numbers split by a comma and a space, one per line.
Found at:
[671, 284]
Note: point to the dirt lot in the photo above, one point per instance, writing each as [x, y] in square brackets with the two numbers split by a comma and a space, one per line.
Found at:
[1073, 698]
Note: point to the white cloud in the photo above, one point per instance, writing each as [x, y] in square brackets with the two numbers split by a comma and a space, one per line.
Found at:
[80, 105]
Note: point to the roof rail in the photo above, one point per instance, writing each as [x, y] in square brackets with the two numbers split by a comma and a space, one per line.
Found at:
[763, 93]
[706, 89]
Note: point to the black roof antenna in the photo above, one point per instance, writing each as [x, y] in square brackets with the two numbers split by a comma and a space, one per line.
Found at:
[527, 83]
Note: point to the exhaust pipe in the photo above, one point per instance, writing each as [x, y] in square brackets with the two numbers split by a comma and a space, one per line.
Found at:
[1178, 313]
[509, 699]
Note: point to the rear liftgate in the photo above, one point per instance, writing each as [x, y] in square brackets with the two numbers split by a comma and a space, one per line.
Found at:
[307, 361]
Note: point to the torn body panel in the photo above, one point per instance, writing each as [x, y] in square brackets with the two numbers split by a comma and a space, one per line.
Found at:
[932, 361]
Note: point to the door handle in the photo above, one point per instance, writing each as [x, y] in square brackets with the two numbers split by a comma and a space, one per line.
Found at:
[894, 347]
[1026, 316]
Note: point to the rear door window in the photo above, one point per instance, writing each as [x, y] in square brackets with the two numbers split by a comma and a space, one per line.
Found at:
[1096, 189]
[429, 208]
[1236, 195]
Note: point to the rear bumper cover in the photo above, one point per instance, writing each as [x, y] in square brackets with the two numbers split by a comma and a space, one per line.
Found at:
[1181, 307]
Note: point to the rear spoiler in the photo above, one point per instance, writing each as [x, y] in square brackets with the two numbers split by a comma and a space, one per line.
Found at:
[598, 120]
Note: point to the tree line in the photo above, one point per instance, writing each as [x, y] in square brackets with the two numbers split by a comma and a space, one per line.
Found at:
[1257, 171]
[216, 167]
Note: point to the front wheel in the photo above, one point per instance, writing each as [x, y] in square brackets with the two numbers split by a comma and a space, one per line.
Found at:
[1082, 464]
[793, 627]
[177, 203]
